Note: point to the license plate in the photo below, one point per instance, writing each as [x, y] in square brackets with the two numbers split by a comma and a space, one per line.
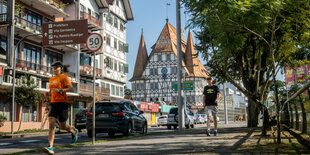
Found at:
[103, 115]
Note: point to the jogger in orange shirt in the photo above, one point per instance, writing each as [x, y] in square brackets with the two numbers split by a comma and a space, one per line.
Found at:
[59, 84]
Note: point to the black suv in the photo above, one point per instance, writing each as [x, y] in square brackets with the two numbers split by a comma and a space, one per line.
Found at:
[80, 119]
[116, 117]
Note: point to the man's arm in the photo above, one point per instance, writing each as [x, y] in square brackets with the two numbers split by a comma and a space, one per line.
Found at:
[218, 97]
[204, 101]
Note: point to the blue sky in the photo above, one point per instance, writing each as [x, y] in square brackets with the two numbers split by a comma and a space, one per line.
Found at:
[149, 15]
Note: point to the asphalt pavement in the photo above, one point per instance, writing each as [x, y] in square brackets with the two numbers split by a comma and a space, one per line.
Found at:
[163, 141]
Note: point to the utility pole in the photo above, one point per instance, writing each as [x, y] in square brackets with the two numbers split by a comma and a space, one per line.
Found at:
[179, 60]
[10, 52]
[225, 104]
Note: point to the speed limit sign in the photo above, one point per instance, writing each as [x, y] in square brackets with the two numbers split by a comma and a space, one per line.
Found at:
[94, 42]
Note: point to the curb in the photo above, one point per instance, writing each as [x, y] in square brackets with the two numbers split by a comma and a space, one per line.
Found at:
[302, 138]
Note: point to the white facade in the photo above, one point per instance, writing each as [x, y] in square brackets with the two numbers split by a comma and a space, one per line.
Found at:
[112, 61]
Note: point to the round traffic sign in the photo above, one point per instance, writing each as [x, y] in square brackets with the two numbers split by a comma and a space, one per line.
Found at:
[164, 70]
[94, 42]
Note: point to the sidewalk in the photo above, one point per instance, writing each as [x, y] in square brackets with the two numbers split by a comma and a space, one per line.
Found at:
[192, 141]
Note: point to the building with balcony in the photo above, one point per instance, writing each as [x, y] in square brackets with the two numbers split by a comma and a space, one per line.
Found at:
[108, 18]
[155, 75]
[32, 58]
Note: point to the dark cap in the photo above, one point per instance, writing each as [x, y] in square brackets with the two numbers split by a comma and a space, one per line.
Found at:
[209, 78]
[57, 64]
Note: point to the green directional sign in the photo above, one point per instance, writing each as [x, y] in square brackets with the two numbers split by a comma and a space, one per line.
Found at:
[187, 85]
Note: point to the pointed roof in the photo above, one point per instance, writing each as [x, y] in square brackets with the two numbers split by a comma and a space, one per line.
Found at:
[141, 60]
[167, 42]
[193, 64]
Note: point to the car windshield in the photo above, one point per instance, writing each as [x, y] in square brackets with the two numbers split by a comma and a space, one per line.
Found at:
[107, 107]
[173, 111]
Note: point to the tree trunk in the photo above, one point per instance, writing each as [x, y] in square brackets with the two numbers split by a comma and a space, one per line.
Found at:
[253, 112]
[266, 123]
[296, 116]
[291, 115]
[285, 115]
[21, 117]
[304, 115]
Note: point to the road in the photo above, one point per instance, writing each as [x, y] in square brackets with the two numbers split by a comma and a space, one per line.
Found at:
[38, 141]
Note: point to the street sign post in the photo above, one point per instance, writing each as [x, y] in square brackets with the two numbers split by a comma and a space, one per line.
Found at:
[93, 43]
[66, 32]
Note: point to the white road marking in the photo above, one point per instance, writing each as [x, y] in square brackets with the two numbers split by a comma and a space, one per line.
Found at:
[2, 144]
[29, 141]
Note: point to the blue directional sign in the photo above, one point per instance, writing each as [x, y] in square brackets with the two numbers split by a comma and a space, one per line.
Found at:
[164, 70]
[164, 76]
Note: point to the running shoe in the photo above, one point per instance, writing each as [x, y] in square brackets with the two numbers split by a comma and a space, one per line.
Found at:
[48, 150]
[75, 136]
[208, 132]
[215, 133]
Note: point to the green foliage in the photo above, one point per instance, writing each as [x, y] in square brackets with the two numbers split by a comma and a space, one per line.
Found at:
[2, 118]
[25, 93]
[238, 38]
[127, 91]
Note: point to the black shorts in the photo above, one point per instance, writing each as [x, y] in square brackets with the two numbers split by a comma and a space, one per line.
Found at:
[59, 110]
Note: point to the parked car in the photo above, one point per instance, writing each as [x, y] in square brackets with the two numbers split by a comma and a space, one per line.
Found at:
[116, 117]
[201, 118]
[162, 120]
[173, 118]
[80, 119]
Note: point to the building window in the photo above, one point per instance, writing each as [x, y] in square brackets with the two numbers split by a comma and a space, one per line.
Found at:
[5, 110]
[110, 18]
[32, 57]
[121, 91]
[112, 90]
[108, 42]
[3, 7]
[115, 65]
[115, 22]
[159, 57]
[168, 57]
[85, 59]
[29, 114]
[107, 86]
[33, 20]
[122, 26]
[117, 91]
[115, 43]
[82, 8]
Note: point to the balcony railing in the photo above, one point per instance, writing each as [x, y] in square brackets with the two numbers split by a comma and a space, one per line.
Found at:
[91, 19]
[87, 69]
[38, 68]
[26, 24]
[89, 89]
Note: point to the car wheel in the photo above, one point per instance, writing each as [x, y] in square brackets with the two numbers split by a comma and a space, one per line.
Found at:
[128, 129]
[111, 134]
[169, 127]
[176, 118]
[144, 129]
[175, 127]
[192, 126]
[187, 126]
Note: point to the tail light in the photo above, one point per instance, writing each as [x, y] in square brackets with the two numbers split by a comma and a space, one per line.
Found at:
[89, 114]
[122, 114]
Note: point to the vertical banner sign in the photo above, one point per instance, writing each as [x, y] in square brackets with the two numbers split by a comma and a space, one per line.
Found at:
[64, 33]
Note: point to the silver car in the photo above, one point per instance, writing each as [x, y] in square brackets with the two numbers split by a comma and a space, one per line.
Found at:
[173, 118]
[162, 120]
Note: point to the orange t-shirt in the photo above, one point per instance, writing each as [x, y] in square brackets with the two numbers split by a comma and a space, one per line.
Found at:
[60, 82]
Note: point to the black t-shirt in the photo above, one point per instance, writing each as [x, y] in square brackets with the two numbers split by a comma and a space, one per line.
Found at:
[210, 93]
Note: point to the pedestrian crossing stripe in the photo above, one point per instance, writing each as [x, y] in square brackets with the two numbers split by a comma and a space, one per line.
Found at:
[2, 144]
[29, 141]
